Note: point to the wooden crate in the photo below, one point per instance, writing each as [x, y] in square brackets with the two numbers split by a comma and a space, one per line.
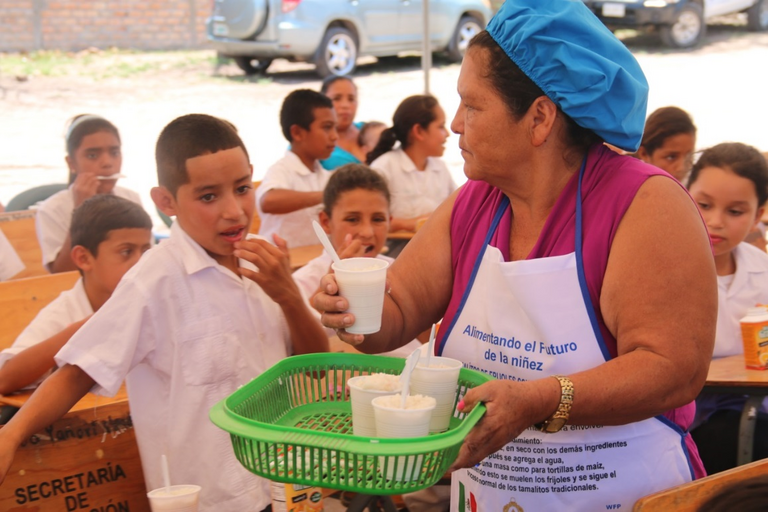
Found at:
[86, 461]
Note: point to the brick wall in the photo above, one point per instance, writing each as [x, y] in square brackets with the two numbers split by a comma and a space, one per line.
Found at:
[27, 25]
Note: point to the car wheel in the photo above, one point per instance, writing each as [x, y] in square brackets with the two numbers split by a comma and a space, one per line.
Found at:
[337, 54]
[757, 16]
[467, 28]
[687, 30]
[251, 66]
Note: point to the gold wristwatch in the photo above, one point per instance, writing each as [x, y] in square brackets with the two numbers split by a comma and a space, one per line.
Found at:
[558, 420]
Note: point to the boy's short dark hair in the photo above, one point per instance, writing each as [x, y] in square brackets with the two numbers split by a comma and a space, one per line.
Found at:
[187, 137]
[93, 220]
[299, 109]
[352, 177]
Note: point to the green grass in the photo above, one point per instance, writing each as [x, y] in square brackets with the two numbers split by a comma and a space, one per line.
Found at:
[101, 64]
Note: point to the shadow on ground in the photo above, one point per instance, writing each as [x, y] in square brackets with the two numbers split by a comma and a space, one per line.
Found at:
[292, 73]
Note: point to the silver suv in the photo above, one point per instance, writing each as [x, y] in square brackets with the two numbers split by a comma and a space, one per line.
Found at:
[680, 23]
[334, 33]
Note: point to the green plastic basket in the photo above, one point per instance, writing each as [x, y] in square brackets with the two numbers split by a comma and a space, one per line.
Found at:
[293, 423]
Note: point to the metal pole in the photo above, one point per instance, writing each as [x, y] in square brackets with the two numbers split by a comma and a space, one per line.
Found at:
[426, 47]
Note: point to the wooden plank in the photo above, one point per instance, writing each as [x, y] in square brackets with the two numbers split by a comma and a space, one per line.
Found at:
[256, 222]
[22, 299]
[302, 255]
[89, 401]
[401, 235]
[19, 229]
[732, 372]
[688, 497]
[86, 461]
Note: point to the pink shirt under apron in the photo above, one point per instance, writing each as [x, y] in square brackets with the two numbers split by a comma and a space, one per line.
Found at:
[609, 185]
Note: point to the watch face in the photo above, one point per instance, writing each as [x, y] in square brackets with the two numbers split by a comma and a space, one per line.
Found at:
[555, 424]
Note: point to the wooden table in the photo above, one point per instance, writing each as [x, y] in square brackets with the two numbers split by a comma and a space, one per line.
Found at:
[87, 460]
[302, 255]
[401, 235]
[729, 375]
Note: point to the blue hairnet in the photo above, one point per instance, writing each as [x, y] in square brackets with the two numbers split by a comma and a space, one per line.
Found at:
[578, 63]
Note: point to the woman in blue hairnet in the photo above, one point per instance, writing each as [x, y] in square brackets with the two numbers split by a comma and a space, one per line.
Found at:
[579, 278]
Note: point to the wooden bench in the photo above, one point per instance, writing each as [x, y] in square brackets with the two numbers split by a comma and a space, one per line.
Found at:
[688, 497]
[19, 229]
[22, 299]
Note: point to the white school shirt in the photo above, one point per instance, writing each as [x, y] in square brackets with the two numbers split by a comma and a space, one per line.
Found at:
[184, 332]
[290, 173]
[10, 263]
[414, 193]
[308, 279]
[748, 288]
[54, 216]
[69, 307]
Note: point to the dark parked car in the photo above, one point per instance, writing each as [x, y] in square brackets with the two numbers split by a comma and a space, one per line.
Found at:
[334, 33]
[680, 23]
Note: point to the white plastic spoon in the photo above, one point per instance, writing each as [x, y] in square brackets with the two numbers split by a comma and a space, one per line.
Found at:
[430, 346]
[323, 237]
[110, 177]
[405, 377]
[166, 475]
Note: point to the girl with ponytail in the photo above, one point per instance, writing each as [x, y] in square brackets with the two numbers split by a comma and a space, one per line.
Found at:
[408, 156]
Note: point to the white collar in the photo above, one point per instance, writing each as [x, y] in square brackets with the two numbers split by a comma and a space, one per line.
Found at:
[299, 166]
[407, 165]
[193, 256]
[749, 261]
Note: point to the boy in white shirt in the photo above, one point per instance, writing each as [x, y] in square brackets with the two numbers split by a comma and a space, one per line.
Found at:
[291, 194]
[109, 234]
[190, 323]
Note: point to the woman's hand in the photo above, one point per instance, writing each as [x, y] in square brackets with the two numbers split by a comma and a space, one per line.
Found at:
[511, 407]
[332, 309]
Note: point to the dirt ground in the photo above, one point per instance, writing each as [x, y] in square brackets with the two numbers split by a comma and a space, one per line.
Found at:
[722, 84]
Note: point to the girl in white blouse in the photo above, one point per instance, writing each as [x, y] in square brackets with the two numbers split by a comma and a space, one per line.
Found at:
[418, 179]
[95, 159]
[730, 185]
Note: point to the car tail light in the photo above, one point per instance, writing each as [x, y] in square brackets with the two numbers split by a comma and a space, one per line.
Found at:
[289, 5]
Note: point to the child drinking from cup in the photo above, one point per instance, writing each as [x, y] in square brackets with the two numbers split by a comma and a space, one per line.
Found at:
[356, 217]
[196, 318]
[730, 184]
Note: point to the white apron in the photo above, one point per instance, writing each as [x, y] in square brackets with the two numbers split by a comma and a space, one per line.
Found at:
[526, 320]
